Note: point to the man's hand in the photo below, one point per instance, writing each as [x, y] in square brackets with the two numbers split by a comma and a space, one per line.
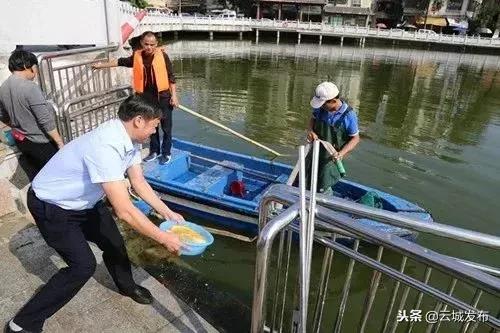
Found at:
[171, 242]
[173, 216]
[54, 135]
[96, 65]
[174, 101]
[338, 155]
[311, 136]
[118, 196]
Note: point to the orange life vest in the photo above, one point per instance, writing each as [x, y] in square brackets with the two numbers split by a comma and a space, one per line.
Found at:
[158, 67]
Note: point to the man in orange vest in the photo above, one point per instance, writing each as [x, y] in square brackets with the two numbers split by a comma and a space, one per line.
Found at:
[153, 76]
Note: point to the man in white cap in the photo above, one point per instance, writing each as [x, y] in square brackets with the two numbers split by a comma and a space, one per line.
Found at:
[332, 120]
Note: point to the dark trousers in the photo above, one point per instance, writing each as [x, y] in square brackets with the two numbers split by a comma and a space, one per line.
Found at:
[67, 231]
[166, 127]
[37, 153]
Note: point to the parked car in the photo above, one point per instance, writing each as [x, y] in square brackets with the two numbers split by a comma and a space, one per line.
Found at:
[397, 30]
[227, 14]
[427, 32]
[483, 32]
[407, 27]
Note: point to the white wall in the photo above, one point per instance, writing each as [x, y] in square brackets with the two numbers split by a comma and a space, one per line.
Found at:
[366, 3]
[59, 22]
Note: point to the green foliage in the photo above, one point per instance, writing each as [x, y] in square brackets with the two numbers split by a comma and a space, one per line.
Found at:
[244, 6]
[488, 14]
[422, 4]
[139, 3]
[436, 5]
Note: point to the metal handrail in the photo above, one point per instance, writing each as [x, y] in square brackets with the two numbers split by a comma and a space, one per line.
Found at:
[329, 216]
[483, 268]
[392, 218]
[58, 117]
[316, 28]
[58, 54]
[87, 97]
[264, 244]
[457, 269]
[85, 62]
[408, 248]
[45, 59]
[101, 102]
[374, 264]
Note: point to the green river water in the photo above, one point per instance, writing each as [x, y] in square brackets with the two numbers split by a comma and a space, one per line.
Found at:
[430, 128]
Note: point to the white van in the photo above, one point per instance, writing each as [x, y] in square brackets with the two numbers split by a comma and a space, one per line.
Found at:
[227, 14]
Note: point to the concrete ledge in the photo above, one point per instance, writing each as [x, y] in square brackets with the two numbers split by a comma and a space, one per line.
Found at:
[27, 263]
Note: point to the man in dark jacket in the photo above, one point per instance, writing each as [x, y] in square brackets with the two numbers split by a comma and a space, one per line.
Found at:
[153, 76]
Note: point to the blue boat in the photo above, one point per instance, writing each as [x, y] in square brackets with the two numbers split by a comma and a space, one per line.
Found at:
[226, 187]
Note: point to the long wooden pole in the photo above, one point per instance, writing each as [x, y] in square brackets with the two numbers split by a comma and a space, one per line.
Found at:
[239, 135]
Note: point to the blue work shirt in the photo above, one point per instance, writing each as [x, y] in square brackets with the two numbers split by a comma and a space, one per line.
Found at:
[350, 120]
[72, 178]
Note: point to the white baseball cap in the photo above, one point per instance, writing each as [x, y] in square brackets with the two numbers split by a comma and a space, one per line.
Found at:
[324, 92]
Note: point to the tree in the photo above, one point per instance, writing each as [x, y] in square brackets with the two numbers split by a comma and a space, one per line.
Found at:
[423, 5]
[139, 3]
[487, 15]
[436, 5]
[244, 6]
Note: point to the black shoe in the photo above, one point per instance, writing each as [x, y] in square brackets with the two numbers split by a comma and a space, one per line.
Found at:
[164, 159]
[139, 294]
[8, 330]
[151, 157]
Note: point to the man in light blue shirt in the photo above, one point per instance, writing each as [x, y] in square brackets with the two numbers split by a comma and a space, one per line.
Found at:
[66, 203]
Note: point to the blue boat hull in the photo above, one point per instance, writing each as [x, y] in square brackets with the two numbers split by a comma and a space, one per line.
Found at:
[198, 180]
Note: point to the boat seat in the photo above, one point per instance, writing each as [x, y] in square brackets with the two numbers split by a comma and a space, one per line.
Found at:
[179, 164]
[215, 179]
[283, 178]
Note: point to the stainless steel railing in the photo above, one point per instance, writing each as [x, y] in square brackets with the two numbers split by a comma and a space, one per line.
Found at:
[83, 114]
[65, 75]
[81, 97]
[421, 279]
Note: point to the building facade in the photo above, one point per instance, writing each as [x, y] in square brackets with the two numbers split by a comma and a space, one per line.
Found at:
[302, 10]
[333, 12]
[157, 3]
[188, 5]
[348, 12]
